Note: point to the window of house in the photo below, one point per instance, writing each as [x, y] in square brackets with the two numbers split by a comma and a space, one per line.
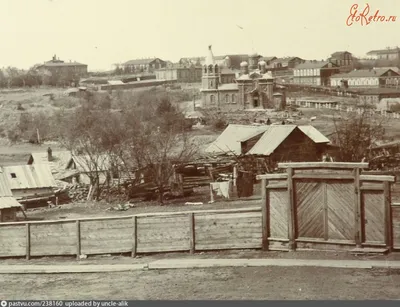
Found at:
[212, 99]
[13, 175]
[233, 98]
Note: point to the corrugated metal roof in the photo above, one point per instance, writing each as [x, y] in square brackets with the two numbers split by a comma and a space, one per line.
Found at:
[29, 176]
[314, 134]
[57, 164]
[229, 140]
[271, 139]
[9, 202]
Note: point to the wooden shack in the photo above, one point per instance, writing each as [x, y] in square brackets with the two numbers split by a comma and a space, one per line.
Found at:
[8, 204]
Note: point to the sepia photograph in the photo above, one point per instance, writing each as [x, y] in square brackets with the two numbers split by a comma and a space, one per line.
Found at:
[199, 150]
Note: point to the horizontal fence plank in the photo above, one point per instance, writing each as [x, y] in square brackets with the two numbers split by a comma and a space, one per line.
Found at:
[377, 178]
[323, 176]
[277, 186]
[342, 165]
[272, 176]
[372, 187]
[216, 211]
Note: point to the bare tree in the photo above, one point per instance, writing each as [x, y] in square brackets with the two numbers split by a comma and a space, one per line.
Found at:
[356, 132]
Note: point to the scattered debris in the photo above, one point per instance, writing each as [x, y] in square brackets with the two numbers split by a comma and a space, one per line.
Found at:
[120, 207]
[193, 203]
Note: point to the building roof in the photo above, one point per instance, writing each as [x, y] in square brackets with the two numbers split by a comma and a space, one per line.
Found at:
[268, 58]
[5, 189]
[58, 64]
[57, 164]
[229, 140]
[365, 73]
[384, 51]
[228, 87]
[339, 53]
[314, 134]
[141, 61]
[29, 176]
[271, 139]
[316, 64]
[85, 164]
[9, 202]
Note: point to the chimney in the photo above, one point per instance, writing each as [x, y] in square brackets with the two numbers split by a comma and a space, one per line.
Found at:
[49, 154]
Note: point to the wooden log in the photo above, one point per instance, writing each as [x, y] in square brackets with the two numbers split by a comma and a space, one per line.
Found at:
[358, 236]
[134, 237]
[192, 233]
[290, 211]
[272, 176]
[28, 241]
[78, 239]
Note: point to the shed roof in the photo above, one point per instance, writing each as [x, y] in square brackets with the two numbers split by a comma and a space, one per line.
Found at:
[29, 176]
[314, 134]
[271, 139]
[57, 164]
[5, 189]
[86, 164]
[229, 140]
[9, 202]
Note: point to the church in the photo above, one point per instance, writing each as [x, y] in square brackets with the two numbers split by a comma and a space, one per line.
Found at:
[252, 87]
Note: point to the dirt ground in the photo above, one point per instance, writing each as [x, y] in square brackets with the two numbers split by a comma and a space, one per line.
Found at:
[300, 283]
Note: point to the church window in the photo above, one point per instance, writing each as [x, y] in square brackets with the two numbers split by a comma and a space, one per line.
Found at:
[233, 98]
[211, 83]
[210, 69]
[227, 98]
[205, 69]
[212, 99]
[216, 68]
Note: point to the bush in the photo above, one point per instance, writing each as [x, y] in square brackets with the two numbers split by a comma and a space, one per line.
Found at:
[219, 124]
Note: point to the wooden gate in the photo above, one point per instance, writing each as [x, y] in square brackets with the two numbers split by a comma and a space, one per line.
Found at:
[326, 206]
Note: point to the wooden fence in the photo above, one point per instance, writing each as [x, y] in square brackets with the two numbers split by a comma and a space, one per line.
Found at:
[328, 206]
[143, 233]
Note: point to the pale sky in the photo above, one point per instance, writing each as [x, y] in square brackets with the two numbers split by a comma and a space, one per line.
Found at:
[100, 33]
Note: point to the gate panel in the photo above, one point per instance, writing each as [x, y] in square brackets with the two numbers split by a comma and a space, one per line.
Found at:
[373, 217]
[278, 215]
[309, 199]
[340, 202]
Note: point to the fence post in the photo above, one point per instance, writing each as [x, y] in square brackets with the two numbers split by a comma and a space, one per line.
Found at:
[78, 239]
[28, 241]
[357, 208]
[290, 209]
[388, 215]
[134, 237]
[264, 211]
[192, 233]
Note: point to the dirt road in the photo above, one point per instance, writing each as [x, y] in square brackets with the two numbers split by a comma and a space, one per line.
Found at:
[236, 283]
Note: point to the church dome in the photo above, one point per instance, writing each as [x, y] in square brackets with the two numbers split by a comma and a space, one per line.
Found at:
[243, 64]
[262, 63]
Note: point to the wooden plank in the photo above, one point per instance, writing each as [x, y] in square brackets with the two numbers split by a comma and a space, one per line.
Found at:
[322, 176]
[264, 210]
[192, 233]
[272, 176]
[357, 208]
[28, 241]
[325, 208]
[278, 186]
[278, 213]
[310, 215]
[340, 197]
[372, 187]
[388, 216]
[377, 178]
[78, 239]
[216, 211]
[134, 237]
[342, 165]
[291, 224]
[374, 217]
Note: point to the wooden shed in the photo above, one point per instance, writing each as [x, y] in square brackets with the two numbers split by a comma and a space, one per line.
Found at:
[8, 204]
